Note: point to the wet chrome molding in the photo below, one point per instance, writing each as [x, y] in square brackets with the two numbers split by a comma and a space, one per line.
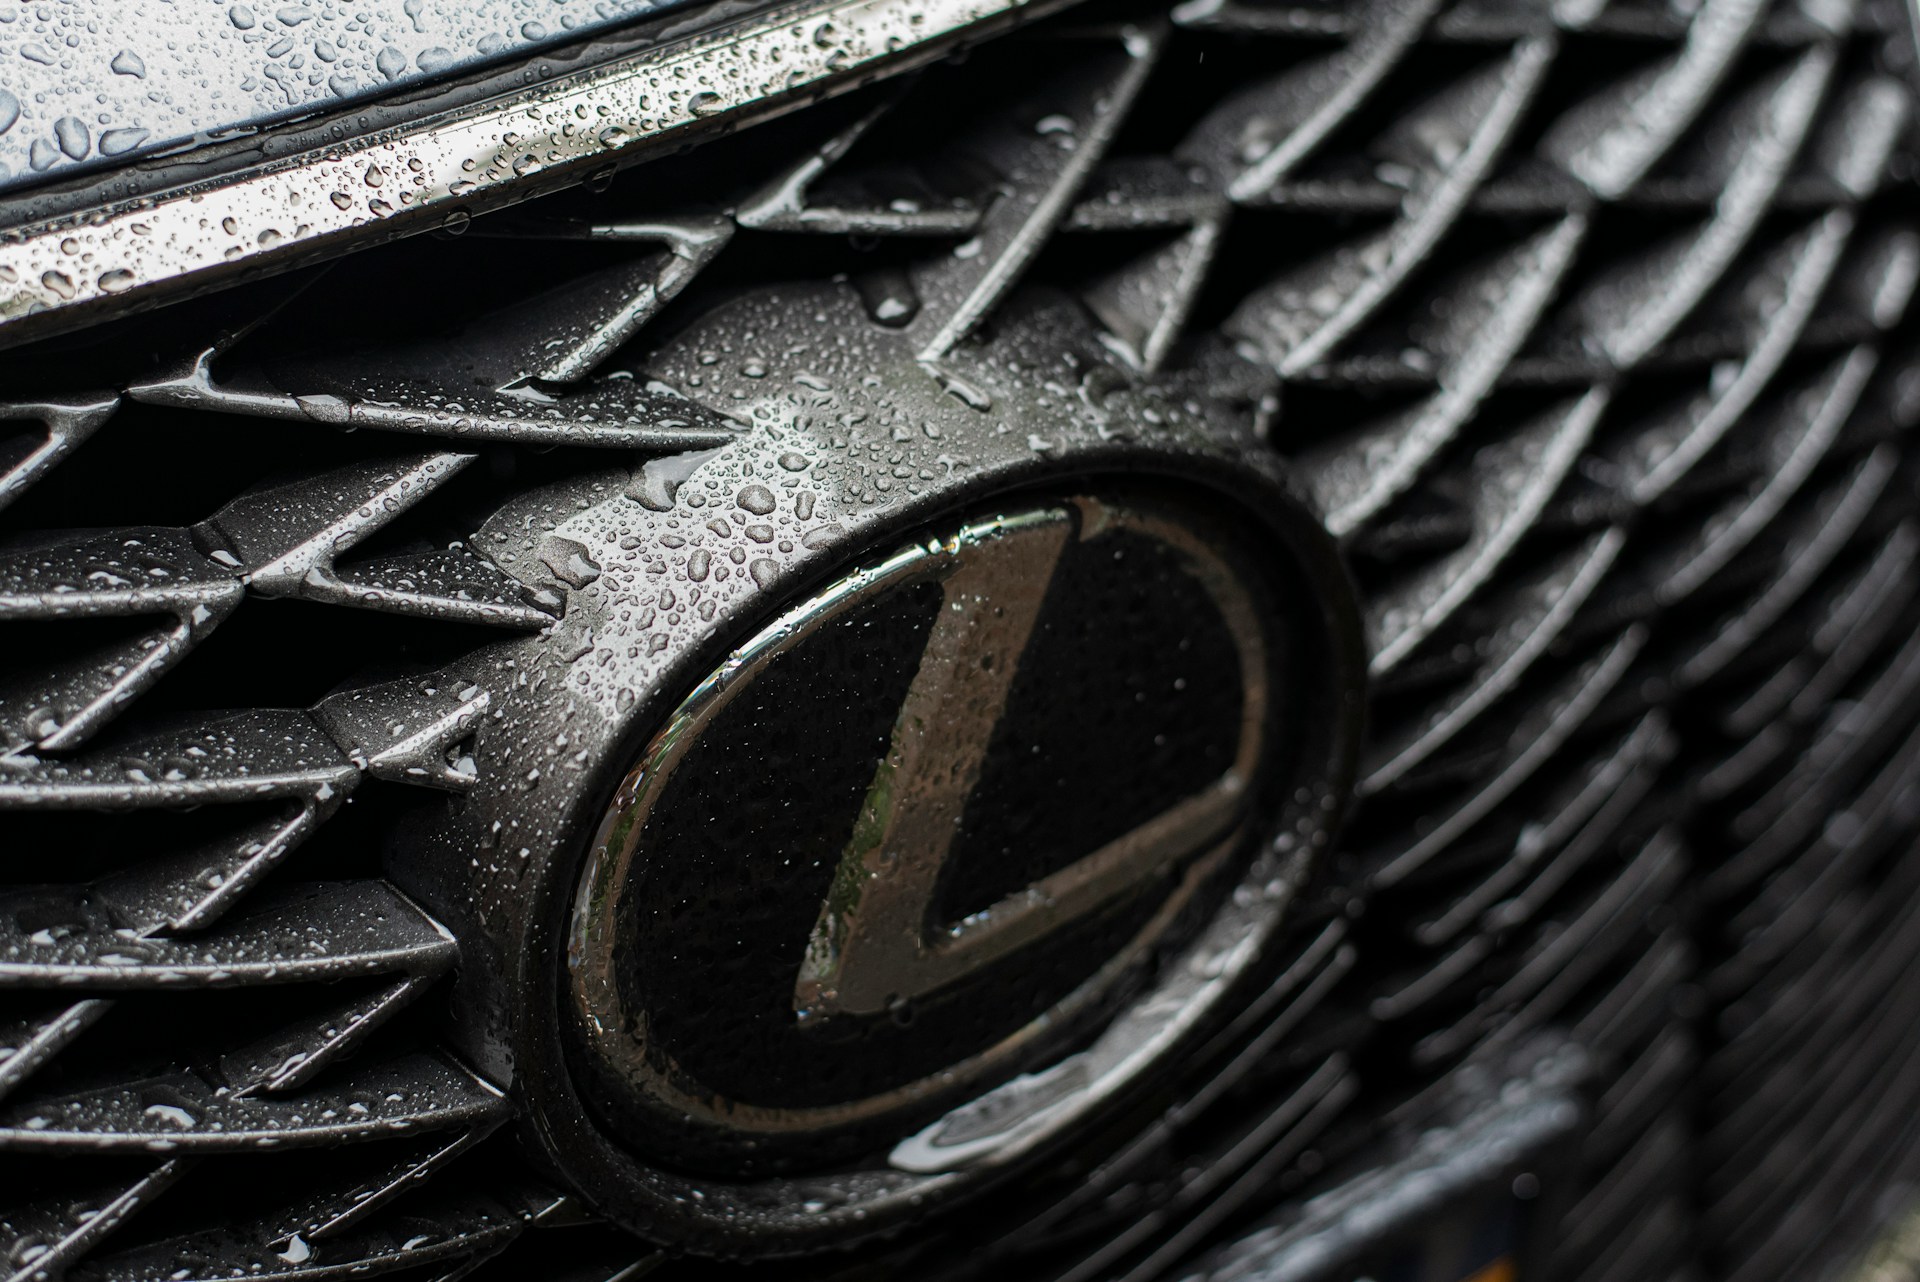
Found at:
[57, 274]
[90, 87]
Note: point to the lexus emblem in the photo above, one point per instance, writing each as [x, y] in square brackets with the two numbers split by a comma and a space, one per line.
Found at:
[911, 790]
[978, 814]
[879, 940]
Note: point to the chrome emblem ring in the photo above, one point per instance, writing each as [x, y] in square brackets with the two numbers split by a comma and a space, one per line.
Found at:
[934, 776]
[881, 949]
[988, 858]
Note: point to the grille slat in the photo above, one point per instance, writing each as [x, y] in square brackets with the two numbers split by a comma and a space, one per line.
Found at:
[441, 1226]
[1492, 313]
[58, 428]
[45, 1239]
[1042, 167]
[285, 540]
[1564, 839]
[1817, 537]
[1509, 762]
[1634, 1190]
[1256, 137]
[1611, 140]
[1518, 630]
[338, 930]
[133, 574]
[1578, 950]
[414, 1093]
[1510, 483]
[35, 1039]
[1855, 622]
[241, 757]
[566, 333]
[1438, 155]
[620, 414]
[1790, 448]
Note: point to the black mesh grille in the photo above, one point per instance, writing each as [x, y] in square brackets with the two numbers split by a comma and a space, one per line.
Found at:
[1582, 322]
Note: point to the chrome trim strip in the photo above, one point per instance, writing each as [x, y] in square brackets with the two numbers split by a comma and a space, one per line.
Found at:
[93, 86]
[57, 274]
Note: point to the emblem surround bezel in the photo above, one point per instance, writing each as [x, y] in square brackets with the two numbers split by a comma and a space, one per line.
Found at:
[787, 1214]
[571, 710]
[946, 1161]
[614, 1038]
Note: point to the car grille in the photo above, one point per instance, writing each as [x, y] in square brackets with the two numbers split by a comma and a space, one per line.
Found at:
[1581, 322]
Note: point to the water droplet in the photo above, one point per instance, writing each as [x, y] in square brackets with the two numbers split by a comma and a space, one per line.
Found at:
[570, 563]
[117, 142]
[889, 297]
[969, 395]
[660, 479]
[821, 537]
[172, 1115]
[72, 135]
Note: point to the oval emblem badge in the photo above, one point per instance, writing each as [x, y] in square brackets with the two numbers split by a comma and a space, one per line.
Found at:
[909, 790]
[958, 850]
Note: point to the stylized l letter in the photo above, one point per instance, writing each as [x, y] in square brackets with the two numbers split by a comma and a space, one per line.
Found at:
[874, 943]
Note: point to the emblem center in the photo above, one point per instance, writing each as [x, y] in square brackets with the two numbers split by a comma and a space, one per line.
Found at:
[878, 941]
